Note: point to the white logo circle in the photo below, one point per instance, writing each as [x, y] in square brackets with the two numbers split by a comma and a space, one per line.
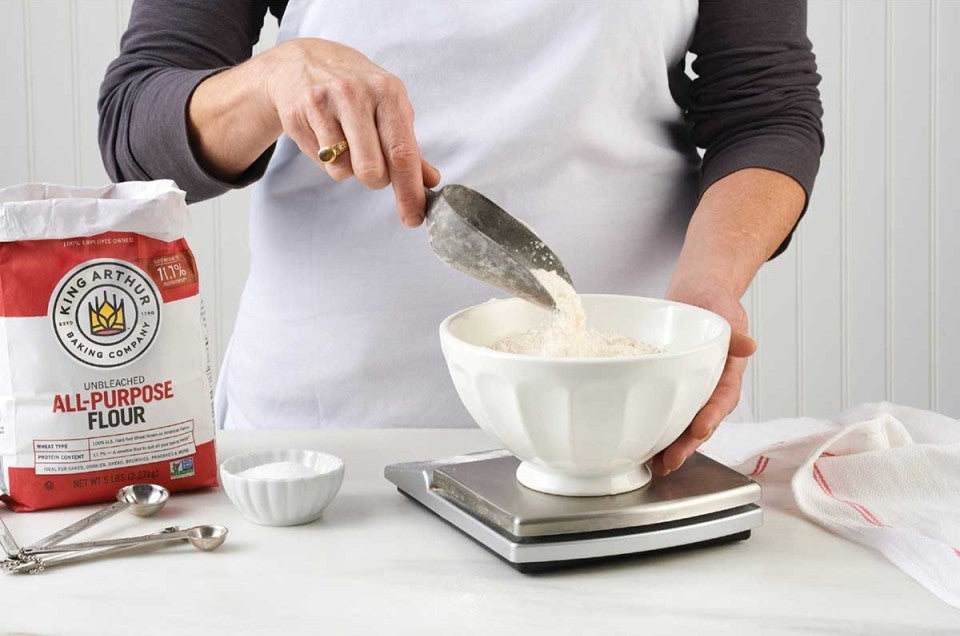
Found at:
[106, 313]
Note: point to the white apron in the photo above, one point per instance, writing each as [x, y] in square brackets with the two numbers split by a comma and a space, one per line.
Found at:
[560, 112]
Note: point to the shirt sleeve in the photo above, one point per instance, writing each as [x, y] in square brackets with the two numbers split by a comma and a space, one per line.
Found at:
[170, 46]
[755, 102]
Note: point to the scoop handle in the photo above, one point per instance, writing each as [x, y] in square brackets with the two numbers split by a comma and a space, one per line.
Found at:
[431, 198]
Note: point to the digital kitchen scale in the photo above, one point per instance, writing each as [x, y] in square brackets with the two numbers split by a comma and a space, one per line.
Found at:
[701, 503]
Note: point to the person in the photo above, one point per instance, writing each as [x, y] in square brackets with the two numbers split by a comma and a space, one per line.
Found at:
[577, 117]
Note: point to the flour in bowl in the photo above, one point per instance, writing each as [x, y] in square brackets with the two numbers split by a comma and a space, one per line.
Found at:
[567, 335]
[278, 470]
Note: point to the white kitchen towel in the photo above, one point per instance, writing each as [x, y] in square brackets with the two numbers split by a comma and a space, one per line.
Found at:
[883, 475]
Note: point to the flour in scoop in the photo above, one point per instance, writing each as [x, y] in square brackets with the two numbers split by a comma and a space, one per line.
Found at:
[567, 335]
[278, 470]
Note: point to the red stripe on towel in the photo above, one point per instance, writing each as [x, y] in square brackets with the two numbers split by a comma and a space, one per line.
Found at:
[762, 462]
[860, 508]
[766, 460]
[863, 510]
[957, 552]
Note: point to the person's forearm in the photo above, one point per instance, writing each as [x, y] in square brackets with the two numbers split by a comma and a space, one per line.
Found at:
[230, 119]
[316, 93]
[739, 222]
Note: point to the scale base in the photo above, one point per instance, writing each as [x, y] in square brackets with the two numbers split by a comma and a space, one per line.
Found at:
[703, 503]
[537, 567]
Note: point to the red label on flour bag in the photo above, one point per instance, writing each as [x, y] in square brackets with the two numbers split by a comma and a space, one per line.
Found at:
[104, 373]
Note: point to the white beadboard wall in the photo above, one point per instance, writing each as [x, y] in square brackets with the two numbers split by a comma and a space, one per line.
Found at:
[864, 306]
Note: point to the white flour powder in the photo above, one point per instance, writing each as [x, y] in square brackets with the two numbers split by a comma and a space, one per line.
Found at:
[567, 335]
[278, 470]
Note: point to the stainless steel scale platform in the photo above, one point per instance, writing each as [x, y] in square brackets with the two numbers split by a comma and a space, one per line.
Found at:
[702, 503]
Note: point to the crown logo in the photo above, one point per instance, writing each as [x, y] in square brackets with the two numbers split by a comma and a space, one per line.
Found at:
[107, 318]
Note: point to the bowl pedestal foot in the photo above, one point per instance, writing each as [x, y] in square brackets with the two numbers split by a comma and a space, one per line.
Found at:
[553, 482]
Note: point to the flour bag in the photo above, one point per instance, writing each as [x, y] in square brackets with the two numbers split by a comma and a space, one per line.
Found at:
[104, 366]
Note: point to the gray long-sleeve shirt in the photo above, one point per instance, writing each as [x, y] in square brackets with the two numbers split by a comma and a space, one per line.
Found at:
[754, 103]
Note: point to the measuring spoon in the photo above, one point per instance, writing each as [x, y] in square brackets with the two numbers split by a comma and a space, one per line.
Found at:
[474, 235]
[36, 564]
[8, 543]
[206, 538]
[143, 500]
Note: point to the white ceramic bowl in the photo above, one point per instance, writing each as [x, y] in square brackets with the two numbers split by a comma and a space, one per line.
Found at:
[584, 426]
[282, 502]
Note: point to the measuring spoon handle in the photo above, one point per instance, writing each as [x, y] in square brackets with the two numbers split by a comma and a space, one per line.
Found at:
[166, 535]
[38, 564]
[7, 542]
[80, 526]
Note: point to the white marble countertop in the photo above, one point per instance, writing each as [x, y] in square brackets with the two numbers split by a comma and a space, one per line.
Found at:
[378, 563]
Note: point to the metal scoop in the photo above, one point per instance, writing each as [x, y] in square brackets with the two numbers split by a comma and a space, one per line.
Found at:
[474, 235]
[142, 500]
[206, 538]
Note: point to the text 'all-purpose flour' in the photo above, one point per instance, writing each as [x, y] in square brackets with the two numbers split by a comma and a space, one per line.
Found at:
[104, 368]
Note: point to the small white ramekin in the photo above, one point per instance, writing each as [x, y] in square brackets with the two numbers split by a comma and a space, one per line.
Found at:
[282, 502]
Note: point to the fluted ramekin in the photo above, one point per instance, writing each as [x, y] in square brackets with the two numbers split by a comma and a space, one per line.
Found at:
[282, 502]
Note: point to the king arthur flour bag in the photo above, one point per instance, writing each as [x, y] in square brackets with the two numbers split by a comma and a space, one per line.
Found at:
[104, 369]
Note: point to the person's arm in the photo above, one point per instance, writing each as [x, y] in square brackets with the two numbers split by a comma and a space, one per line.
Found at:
[169, 48]
[186, 101]
[318, 93]
[756, 110]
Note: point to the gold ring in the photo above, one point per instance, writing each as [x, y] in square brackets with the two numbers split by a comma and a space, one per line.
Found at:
[329, 154]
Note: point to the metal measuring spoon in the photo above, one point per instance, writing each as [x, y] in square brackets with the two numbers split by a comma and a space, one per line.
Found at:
[143, 500]
[8, 543]
[205, 537]
[474, 235]
[36, 564]
[16, 559]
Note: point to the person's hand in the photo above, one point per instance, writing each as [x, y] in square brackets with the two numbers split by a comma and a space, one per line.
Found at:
[324, 92]
[712, 295]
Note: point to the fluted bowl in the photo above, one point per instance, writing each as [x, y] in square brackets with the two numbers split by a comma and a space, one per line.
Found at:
[287, 501]
[585, 426]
